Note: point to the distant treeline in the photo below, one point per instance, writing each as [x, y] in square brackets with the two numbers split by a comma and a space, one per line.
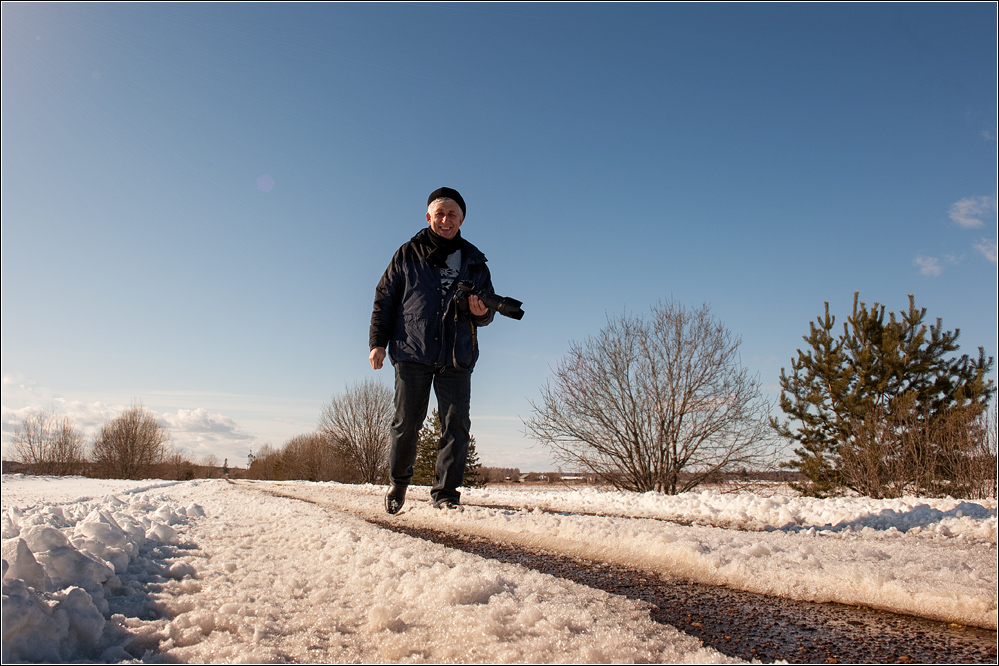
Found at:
[131, 445]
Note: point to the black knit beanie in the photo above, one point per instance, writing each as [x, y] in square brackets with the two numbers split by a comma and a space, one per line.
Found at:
[447, 193]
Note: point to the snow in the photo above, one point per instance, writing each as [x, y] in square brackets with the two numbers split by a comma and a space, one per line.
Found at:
[213, 571]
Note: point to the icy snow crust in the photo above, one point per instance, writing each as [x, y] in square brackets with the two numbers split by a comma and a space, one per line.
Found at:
[208, 571]
[747, 511]
[932, 558]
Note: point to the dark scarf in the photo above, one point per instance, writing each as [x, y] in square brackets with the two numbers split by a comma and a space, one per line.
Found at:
[441, 248]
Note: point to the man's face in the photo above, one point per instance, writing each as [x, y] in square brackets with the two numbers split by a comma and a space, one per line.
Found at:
[444, 217]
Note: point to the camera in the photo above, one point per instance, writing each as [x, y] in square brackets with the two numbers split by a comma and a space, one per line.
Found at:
[508, 307]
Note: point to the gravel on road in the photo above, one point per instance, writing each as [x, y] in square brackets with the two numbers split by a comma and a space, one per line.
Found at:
[748, 625]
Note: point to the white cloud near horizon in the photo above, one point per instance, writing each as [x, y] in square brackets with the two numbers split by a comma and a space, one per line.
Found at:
[197, 431]
[86, 417]
[203, 433]
[199, 420]
[968, 212]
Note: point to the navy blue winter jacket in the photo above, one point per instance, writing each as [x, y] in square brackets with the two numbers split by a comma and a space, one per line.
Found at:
[408, 316]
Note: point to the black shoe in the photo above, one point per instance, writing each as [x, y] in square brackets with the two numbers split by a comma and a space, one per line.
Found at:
[448, 504]
[394, 499]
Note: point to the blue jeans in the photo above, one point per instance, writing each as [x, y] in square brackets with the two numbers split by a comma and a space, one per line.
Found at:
[412, 398]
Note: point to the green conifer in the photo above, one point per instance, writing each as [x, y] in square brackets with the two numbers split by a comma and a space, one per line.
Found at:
[474, 478]
[427, 446]
[426, 450]
[877, 381]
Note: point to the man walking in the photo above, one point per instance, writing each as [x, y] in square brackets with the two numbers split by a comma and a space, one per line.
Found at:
[431, 338]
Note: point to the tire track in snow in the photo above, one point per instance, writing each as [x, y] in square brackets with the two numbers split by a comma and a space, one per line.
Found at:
[741, 624]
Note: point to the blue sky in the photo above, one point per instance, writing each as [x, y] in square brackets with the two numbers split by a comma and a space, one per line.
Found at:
[198, 199]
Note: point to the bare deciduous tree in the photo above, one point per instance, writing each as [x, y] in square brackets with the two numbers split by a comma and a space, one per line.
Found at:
[659, 405]
[210, 462]
[130, 444]
[357, 423]
[983, 464]
[68, 452]
[177, 466]
[966, 446]
[905, 449]
[30, 438]
[49, 444]
[314, 457]
[266, 464]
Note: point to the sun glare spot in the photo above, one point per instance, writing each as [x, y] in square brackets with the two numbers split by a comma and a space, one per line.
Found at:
[265, 183]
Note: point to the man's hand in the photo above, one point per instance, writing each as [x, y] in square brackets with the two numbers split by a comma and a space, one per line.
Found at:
[377, 358]
[476, 307]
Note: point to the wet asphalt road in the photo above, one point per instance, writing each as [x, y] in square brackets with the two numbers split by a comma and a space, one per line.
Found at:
[748, 625]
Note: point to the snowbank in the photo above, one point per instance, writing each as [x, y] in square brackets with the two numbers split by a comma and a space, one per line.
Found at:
[747, 511]
[68, 570]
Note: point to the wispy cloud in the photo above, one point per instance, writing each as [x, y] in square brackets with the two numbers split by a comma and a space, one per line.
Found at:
[987, 248]
[929, 266]
[23, 389]
[969, 212]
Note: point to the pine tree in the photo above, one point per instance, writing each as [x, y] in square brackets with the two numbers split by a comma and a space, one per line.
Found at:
[868, 408]
[473, 468]
[427, 446]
